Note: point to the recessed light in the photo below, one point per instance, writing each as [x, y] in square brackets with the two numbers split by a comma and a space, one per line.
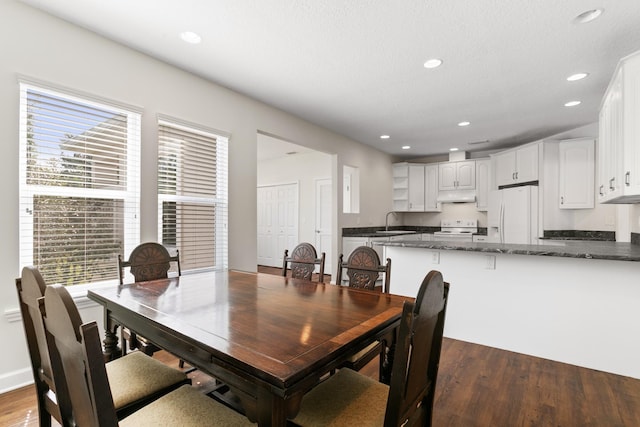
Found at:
[384, 136]
[190, 37]
[572, 103]
[464, 123]
[588, 16]
[433, 63]
[577, 76]
[406, 147]
[453, 149]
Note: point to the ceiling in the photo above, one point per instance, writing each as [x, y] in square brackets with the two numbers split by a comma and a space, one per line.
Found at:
[356, 67]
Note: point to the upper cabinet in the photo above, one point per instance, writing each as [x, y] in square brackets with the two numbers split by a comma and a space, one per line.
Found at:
[576, 174]
[457, 175]
[619, 148]
[408, 187]
[518, 165]
[400, 187]
[431, 188]
[483, 168]
[415, 187]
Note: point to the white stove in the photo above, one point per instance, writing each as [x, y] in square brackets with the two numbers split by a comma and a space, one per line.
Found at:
[456, 230]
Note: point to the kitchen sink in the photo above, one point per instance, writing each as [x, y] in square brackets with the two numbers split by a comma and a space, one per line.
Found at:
[395, 232]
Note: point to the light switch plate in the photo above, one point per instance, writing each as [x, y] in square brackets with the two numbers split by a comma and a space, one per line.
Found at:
[435, 257]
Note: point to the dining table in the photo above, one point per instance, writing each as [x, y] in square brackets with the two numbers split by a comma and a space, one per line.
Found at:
[269, 338]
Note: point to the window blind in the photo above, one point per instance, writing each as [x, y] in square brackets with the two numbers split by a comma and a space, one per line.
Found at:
[192, 194]
[79, 185]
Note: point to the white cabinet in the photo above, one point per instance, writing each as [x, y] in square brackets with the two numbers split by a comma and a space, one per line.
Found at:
[518, 165]
[576, 169]
[400, 187]
[415, 187]
[483, 168]
[619, 150]
[408, 187]
[431, 188]
[457, 175]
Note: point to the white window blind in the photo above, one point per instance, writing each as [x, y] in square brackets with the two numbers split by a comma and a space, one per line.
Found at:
[79, 185]
[192, 194]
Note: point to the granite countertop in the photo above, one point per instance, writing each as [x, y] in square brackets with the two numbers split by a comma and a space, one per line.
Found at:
[570, 249]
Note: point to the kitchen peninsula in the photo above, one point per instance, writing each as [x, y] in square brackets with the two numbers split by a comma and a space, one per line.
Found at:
[576, 302]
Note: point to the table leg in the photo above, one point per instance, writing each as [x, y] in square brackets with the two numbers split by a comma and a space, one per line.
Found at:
[386, 362]
[111, 348]
[274, 410]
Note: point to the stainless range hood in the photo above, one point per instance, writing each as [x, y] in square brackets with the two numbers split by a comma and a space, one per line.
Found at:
[456, 196]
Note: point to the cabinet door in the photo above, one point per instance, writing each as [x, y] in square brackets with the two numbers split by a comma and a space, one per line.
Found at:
[527, 163]
[631, 127]
[482, 184]
[416, 188]
[447, 176]
[611, 143]
[577, 169]
[466, 175]
[431, 188]
[505, 167]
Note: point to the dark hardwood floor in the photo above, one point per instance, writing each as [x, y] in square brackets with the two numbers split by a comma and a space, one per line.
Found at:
[477, 386]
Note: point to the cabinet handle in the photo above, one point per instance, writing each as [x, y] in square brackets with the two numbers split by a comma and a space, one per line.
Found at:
[600, 191]
[627, 178]
[513, 176]
[516, 175]
[562, 200]
[611, 181]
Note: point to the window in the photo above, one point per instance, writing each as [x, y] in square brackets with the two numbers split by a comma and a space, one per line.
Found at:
[79, 185]
[192, 194]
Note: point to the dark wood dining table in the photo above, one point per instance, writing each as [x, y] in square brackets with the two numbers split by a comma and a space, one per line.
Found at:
[269, 338]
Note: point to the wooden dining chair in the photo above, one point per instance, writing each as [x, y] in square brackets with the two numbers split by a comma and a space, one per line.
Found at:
[147, 261]
[86, 398]
[349, 398]
[303, 261]
[363, 269]
[136, 379]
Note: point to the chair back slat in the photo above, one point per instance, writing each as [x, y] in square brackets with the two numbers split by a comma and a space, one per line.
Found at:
[148, 261]
[77, 362]
[31, 287]
[363, 269]
[417, 355]
[302, 262]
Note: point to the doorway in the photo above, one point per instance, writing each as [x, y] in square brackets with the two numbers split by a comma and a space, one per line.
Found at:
[283, 163]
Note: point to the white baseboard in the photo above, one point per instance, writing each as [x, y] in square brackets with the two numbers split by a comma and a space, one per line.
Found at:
[15, 379]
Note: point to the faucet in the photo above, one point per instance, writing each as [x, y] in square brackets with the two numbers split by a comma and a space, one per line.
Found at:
[386, 220]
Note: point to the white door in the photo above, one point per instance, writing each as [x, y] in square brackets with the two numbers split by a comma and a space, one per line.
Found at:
[266, 200]
[323, 221]
[277, 222]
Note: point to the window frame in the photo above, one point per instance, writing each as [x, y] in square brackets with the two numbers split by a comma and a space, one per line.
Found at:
[220, 202]
[130, 195]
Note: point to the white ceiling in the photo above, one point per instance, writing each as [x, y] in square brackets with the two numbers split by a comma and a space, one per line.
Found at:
[356, 66]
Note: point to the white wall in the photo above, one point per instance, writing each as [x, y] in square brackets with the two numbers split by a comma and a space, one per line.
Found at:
[39, 46]
[305, 169]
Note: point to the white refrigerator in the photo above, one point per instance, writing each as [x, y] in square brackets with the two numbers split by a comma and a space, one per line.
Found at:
[513, 215]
